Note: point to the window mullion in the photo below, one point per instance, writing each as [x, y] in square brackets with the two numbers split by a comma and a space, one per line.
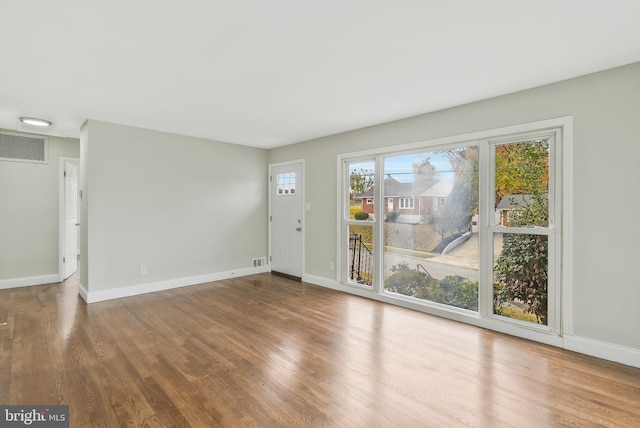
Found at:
[485, 233]
[378, 230]
[523, 230]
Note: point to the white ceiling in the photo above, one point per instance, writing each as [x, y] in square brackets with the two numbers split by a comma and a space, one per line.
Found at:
[271, 73]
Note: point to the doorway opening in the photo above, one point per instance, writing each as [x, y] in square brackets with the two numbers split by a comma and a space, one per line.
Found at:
[69, 218]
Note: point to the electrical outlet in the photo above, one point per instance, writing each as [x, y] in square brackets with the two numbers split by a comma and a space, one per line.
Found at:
[331, 266]
[143, 269]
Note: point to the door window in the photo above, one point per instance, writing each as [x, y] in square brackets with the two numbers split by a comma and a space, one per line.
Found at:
[286, 183]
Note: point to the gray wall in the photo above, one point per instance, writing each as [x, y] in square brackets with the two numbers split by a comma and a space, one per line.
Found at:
[83, 184]
[182, 206]
[606, 108]
[185, 206]
[29, 206]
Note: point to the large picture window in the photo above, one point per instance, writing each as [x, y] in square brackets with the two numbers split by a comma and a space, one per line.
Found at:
[470, 228]
[422, 249]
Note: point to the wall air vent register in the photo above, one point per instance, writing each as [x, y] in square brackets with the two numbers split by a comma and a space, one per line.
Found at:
[23, 148]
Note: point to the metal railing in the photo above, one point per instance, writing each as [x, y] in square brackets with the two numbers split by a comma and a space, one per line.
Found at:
[360, 260]
[423, 269]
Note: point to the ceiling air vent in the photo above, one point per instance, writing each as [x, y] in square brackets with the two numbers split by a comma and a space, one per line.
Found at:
[23, 148]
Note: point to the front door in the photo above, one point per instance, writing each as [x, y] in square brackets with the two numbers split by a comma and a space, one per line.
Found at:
[71, 219]
[286, 218]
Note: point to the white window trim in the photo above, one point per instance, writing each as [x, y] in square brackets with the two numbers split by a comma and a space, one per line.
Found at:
[552, 231]
[403, 203]
[563, 197]
[345, 221]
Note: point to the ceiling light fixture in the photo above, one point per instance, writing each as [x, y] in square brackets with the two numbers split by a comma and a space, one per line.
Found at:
[35, 121]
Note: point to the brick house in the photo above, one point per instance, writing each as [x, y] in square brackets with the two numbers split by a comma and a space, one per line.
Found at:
[509, 204]
[414, 202]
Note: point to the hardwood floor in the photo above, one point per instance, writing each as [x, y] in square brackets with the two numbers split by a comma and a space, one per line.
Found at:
[267, 351]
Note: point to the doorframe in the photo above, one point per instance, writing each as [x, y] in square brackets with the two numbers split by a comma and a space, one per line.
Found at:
[62, 211]
[303, 208]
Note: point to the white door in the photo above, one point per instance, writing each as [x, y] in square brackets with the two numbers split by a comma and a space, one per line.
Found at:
[286, 219]
[71, 219]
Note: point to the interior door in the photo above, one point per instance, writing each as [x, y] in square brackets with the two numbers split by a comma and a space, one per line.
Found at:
[286, 219]
[71, 219]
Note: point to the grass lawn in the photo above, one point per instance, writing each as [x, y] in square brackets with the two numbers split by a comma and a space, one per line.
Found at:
[417, 237]
[518, 314]
[409, 239]
[353, 209]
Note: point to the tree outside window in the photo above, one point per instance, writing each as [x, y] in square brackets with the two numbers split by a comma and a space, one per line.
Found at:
[521, 269]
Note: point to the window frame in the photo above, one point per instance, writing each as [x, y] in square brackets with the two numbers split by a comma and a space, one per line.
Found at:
[402, 205]
[552, 231]
[560, 235]
[345, 222]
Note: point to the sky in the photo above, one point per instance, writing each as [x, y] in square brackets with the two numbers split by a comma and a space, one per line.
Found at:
[401, 167]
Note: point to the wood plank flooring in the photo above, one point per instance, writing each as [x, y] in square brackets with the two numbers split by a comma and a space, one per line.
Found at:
[266, 351]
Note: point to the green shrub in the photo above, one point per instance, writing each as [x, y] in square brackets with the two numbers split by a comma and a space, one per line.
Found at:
[392, 216]
[452, 290]
[361, 215]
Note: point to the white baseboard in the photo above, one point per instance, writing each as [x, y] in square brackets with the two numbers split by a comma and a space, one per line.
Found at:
[29, 281]
[594, 348]
[324, 282]
[82, 290]
[150, 287]
[605, 350]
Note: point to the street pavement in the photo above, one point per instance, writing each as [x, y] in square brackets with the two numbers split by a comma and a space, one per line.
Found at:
[462, 260]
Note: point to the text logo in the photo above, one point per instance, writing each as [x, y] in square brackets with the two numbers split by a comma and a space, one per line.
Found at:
[34, 416]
